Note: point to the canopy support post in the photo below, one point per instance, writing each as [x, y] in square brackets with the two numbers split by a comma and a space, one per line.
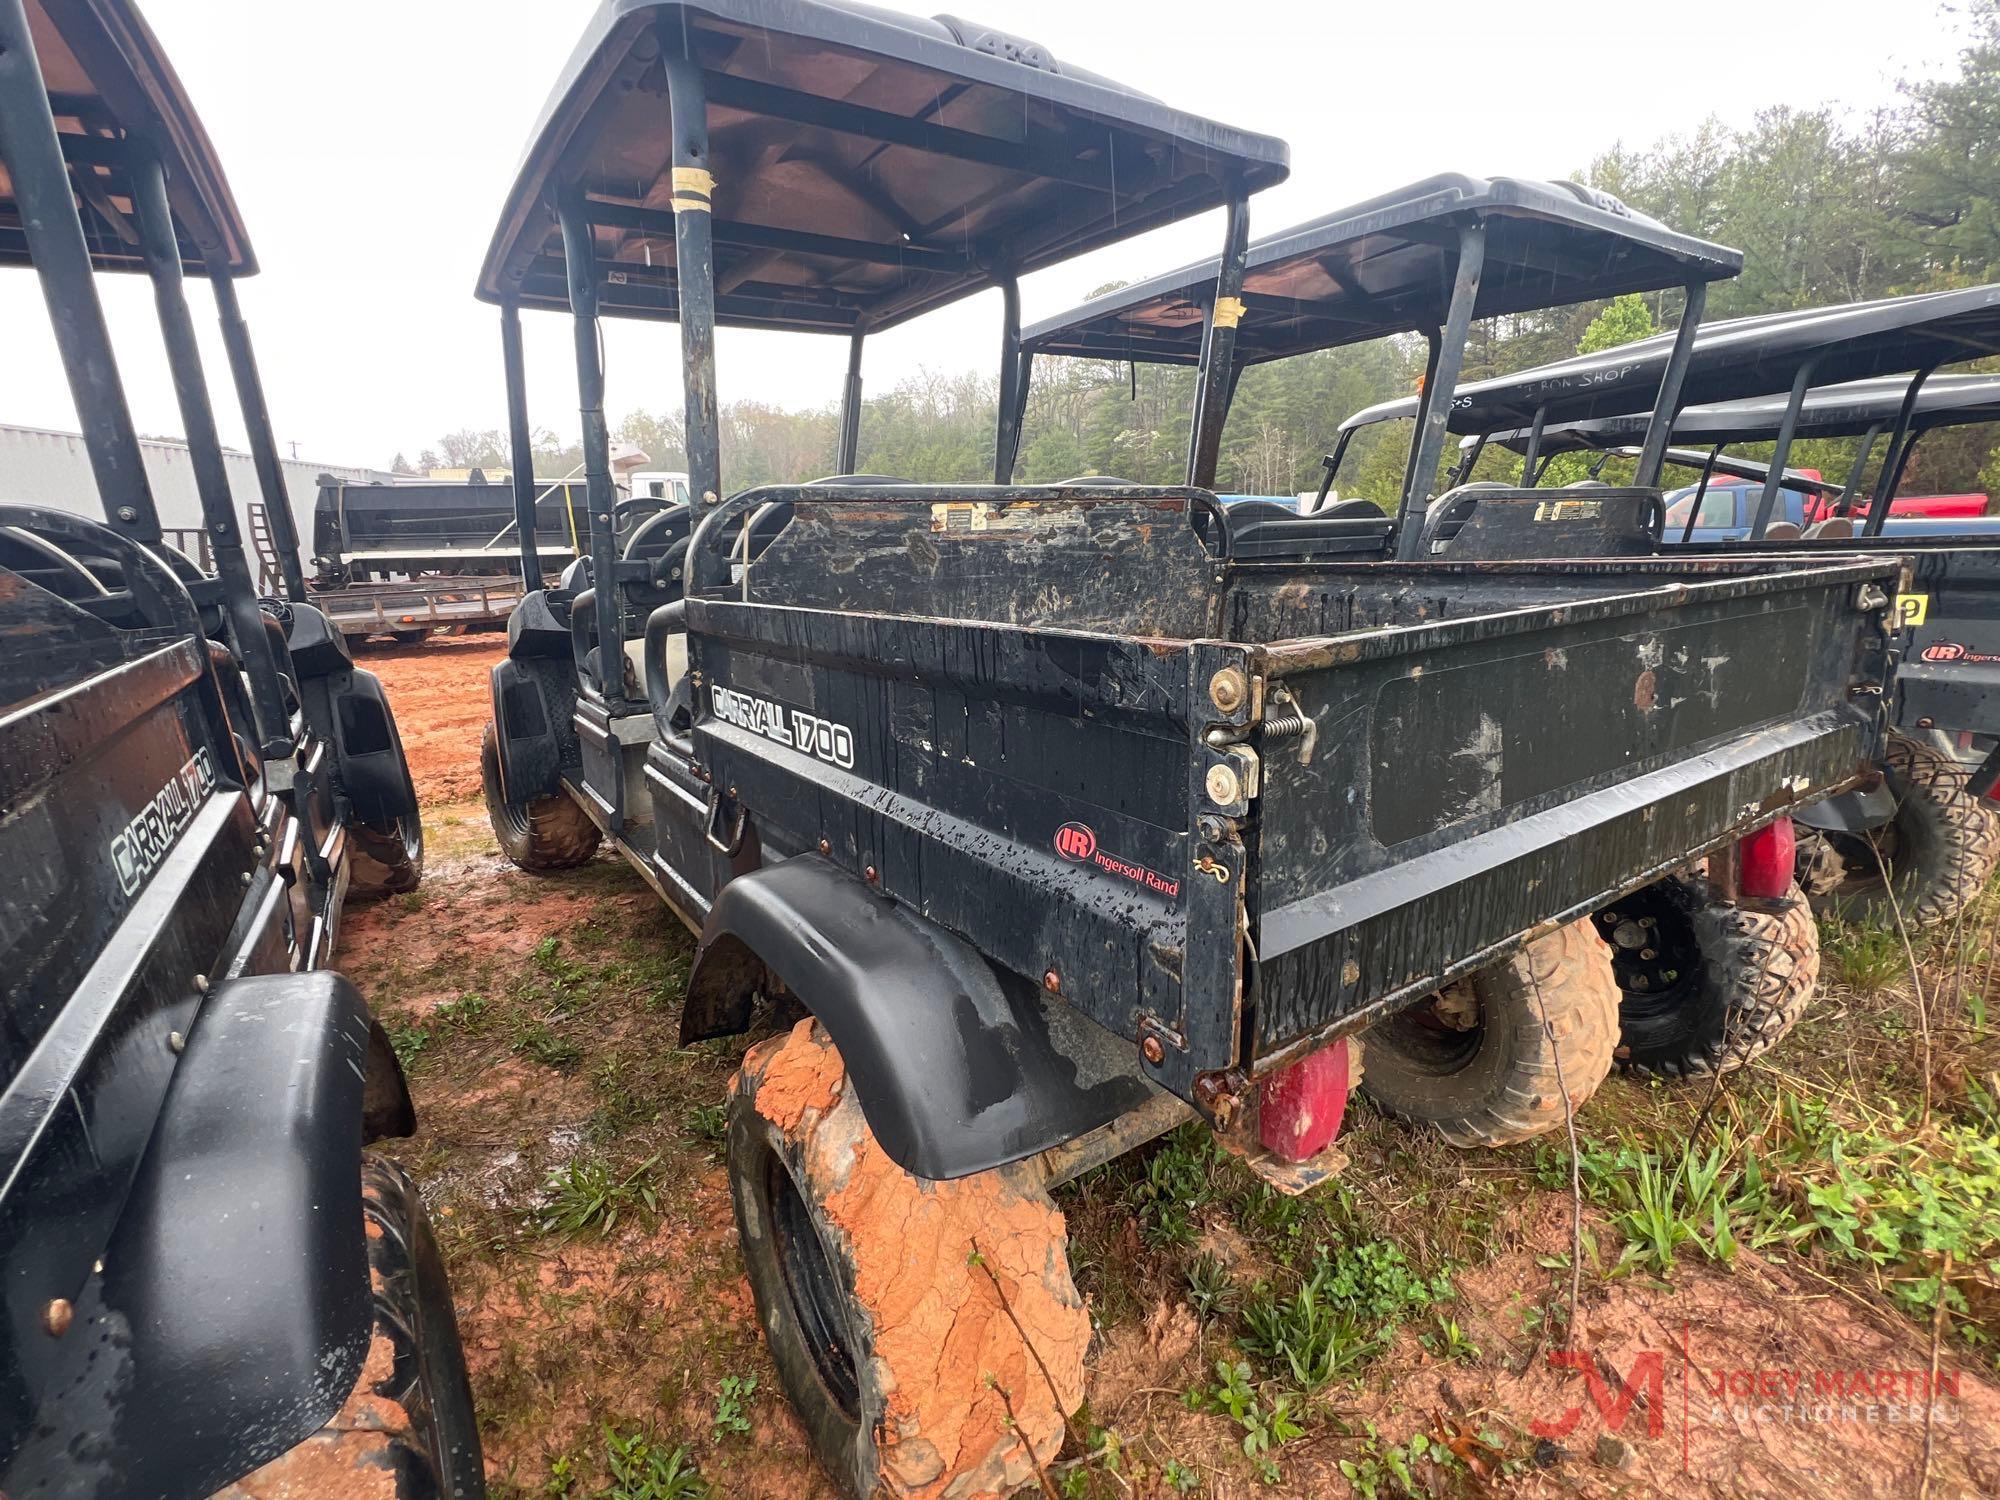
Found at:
[161, 248]
[53, 229]
[1846, 501]
[849, 456]
[1667, 410]
[1534, 450]
[1700, 493]
[1007, 437]
[1787, 426]
[1434, 415]
[263, 442]
[1215, 378]
[580, 259]
[521, 443]
[694, 266]
[1896, 456]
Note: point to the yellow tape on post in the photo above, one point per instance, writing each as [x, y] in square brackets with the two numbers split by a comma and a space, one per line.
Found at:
[694, 187]
[1228, 311]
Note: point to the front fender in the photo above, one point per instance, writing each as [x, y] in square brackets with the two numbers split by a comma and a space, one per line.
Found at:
[232, 1313]
[957, 1067]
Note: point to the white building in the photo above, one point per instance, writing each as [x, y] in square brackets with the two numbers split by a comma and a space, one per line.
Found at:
[40, 467]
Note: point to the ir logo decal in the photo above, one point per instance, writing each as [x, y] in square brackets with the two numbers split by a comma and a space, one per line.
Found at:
[1077, 843]
[1952, 651]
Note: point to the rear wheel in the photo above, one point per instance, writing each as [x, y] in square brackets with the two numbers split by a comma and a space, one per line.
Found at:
[927, 1333]
[1706, 986]
[1936, 854]
[406, 1430]
[385, 859]
[542, 833]
[1476, 1060]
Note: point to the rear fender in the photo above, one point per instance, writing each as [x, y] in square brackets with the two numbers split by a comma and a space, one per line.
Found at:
[957, 1067]
[369, 752]
[534, 713]
[232, 1313]
[1850, 812]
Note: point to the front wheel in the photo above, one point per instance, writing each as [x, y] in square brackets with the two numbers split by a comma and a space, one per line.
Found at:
[386, 859]
[1706, 986]
[1488, 1059]
[927, 1333]
[407, 1429]
[1935, 855]
[542, 833]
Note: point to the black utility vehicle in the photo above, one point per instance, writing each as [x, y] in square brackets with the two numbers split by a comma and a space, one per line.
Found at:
[203, 1268]
[1708, 979]
[321, 728]
[1063, 818]
[1916, 842]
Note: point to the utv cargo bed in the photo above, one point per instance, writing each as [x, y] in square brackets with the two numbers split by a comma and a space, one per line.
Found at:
[1244, 808]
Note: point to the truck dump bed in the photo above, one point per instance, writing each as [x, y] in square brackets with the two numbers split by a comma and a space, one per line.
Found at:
[1248, 806]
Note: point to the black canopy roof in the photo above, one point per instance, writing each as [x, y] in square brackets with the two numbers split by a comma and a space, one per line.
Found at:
[1386, 266]
[869, 166]
[1831, 411]
[111, 88]
[1732, 360]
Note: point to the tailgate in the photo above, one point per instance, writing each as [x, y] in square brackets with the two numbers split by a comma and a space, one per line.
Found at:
[1471, 782]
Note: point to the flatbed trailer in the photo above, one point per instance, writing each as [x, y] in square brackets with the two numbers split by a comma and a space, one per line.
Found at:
[419, 606]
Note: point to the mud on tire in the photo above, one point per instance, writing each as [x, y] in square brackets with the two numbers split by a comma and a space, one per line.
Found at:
[385, 860]
[1707, 986]
[544, 833]
[1940, 849]
[881, 1294]
[1476, 1061]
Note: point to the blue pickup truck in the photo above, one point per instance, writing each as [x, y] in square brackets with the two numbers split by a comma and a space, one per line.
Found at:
[1727, 510]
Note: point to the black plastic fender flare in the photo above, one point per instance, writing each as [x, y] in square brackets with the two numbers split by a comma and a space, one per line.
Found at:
[958, 1067]
[534, 705]
[1850, 812]
[232, 1314]
[368, 751]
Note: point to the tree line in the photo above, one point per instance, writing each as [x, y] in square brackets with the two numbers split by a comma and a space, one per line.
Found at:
[1826, 207]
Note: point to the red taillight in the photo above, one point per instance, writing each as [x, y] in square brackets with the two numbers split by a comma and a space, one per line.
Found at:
[1764, 861]
[1301, 1107]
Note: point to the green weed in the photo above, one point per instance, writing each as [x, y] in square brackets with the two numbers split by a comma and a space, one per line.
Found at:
[587, 1194]
[731, 1402]
[639, 1471]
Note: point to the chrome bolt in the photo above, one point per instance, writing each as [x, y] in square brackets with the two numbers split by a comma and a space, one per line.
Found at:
[176, 1042]
[201, 984]
[1052, 982]
[56, 1317]
[825, 847]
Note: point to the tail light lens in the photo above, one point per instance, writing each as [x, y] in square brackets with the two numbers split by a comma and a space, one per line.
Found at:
[1764, 861]
[1301, 1107]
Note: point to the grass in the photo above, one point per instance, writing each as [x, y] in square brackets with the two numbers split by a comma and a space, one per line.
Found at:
[588, 1194]
[1307, 1308]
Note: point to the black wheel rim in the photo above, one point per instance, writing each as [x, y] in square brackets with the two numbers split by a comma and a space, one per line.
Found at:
[1654, 952]
[812, 1289]
[1428, 1040]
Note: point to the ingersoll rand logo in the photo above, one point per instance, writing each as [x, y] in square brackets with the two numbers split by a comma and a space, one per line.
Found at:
[137, 850]
[807, 733]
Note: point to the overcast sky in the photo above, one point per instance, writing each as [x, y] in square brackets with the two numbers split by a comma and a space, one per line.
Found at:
[369, 144]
